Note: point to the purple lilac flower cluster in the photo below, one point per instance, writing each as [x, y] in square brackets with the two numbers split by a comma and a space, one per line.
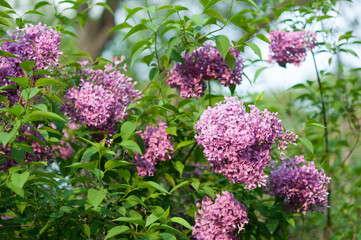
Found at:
[102, 97]
[38, 43]
[290, 47]
[158, 147]
[36, 142]
[204, 63]
[237, 144]
[219, 219]
[301, 185]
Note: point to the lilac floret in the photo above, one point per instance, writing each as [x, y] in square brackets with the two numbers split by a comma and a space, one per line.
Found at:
[290, 47]
[237, 144]
[203, 64]
[301, 185]
[102, 97]
[158, 147]
[219, 219]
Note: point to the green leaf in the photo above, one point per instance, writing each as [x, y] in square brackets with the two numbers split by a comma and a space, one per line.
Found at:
[131, 220]
[106, 6]
[86, 230]
[198, 20]
[88, 165]
[34, 12]
[28, 93]
[179, 185]
[209, 191]
[168, 236]
[113, 164]
[182, 222]
[291, 221]
[258, 72]
[7, 54]
[151, 219]
[223, 45]
[255, 49]
[20, 203]
[251, 2]
[5, 138]
[20, 179]
[131, 145]
[272, 224]
[4, 101]
[184, 143]
[179, 166]
[153, 26]
[4, 22]
[27, 66]
[127, 129]
[15, 189]
[116, 231]
[214, 14]
[240, 21]
[169, 229]
[119, 27]
[5, 4]
[131, 12]
[172, 131]
[231, 61]
[307, 143]
[47, 81]
[195, 184]
[41, 4]
[83, 54]
[95, 197]
[22, 81]
[263, 38]
[37, 115]
[151, 184]
[135, 55]
[88, 153]
[259, 97]
[136, 28]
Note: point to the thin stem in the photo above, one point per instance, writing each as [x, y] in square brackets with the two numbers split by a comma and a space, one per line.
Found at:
[328, 223]
[209, 91]
[190, 152]
[323, 107]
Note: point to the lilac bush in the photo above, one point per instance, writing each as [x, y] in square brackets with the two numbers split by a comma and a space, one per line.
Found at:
[237, 144]
[219, 219]
[158, 147]
[38, 43]
[102, 97]
[203, 64]
[302, 186]
[290, 47]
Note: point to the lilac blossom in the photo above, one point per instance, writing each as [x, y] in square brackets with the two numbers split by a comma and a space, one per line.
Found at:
[219, 219]
[40, 151]
[203, 64]
[158, 147]
[301, 185]
[237, 144]
[290, 47]
[38, 43]
[102, 97]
